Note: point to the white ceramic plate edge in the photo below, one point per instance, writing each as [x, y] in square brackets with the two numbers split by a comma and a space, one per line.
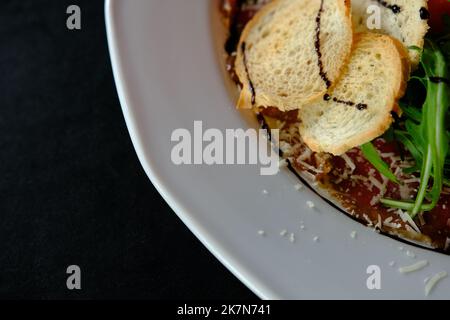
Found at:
[202, 234]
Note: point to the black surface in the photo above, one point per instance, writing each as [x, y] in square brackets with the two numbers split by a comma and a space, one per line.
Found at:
[72, 190]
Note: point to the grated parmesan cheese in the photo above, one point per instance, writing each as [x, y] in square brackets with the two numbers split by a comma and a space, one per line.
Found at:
[409, 229]
[412, 180]
[376, 183]
[379, 223]
[421, 219]
[310, 204]
[433, 281]
[405, 191]
[283, 164]
[306, 154]
[414, 267]
[407, 218]
[284, 146]
[349, 162]
[309, 177]
[447, 244]
[382, 187]
[308, 166]
[393, 225]
[292, 238]
[369, 222]
[387, 155]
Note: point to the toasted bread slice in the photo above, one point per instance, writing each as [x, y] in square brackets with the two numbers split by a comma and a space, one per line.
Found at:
[405, 20]
[292, 51]
[359, 108]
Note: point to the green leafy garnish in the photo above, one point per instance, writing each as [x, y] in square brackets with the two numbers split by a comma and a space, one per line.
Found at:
[426, 136]
[371, 154]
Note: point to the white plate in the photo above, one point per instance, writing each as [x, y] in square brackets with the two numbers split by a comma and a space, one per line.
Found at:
[168, 75]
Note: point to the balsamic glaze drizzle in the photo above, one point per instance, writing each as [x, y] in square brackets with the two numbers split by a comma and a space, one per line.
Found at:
[347, 103]
[359, 106]
[250, 83]
[393, 7]
[323, 74]
[424, 13]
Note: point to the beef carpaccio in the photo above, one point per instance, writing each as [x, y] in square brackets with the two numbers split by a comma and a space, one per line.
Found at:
[352, 182]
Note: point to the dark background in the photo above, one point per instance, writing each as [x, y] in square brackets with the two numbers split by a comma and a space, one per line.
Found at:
[71, 189]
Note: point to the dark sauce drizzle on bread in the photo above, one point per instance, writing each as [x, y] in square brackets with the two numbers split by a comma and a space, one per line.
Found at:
[323, 74]
[393, 7]
[359, 106]
[424, 14]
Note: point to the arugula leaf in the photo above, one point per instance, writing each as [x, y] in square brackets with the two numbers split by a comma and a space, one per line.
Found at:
[426, 136]
[372, 155]
[411, 112]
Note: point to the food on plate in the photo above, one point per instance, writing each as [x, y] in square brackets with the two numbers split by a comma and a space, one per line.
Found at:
[375, 141]
[292, 52]
[359, 108]
[405, 20]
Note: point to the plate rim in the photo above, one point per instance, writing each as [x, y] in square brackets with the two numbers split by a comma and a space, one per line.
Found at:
[242, 273]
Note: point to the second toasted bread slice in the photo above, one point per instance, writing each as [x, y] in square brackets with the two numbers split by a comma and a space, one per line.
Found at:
[359, 108]
[292, 51]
